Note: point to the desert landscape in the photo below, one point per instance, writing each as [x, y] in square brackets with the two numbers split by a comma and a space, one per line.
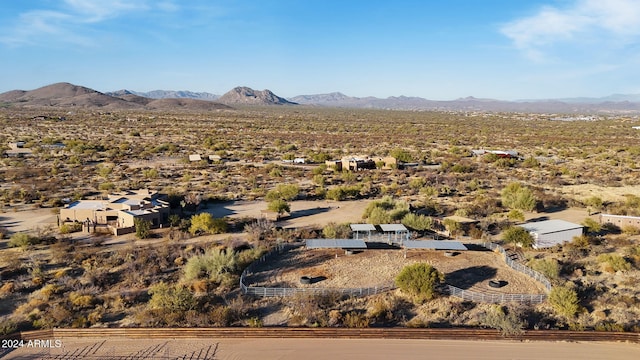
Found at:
[243, 194]
[200, 193]
[282, 179]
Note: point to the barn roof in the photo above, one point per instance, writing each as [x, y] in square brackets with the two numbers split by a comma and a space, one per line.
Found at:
[335, 244]
[362, 227]
[433, 244]
[393, 227]
[550, 226]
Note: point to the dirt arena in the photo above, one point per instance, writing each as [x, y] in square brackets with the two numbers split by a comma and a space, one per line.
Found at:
[333, 269]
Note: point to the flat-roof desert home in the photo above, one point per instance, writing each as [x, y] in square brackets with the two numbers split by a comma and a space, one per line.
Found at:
[552, 232]
[119, 211]
[358, 162]
[509, 154]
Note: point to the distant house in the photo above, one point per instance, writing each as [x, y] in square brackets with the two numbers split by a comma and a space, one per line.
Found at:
[508, 154]
[334, 164]
[358, 162]
[215, 158]
[118, 211]
[195, 157]
[17, 149]
[620, 220]
[552, 232]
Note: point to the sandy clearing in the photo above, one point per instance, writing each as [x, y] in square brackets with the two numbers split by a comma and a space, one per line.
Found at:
[608, 193]
[312, 349]
[467, 270]
[27, 220]
[303, 212]
[574, 215]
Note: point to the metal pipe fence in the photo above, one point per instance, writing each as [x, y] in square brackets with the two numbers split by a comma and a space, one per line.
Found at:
[262, 291]
[517, 266]
[289, 291]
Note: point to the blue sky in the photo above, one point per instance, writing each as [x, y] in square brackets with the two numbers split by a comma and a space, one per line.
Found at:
[442, 50]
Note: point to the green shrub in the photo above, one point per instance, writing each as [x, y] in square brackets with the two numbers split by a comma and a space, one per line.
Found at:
[564, 301]
[508, 323]
[401, 155]
[519, 236]
[379, 216]
[614, 262]
[80, 300]
[609, 326]
[206, 223]
[255, 322]
[22, 240]
[385, 210]
[143, 228]
[8, 327]
[354, 319]
[420, 281]
[72, 227]
[171, 297]
[547, 267]
[631, 230]
[336, 231]
[213, 265]
[515, 215]
[452, 226]
[592, 225]
[518, 196]
[417, 222]
[341, 193]
[286, 192]
[279, 205]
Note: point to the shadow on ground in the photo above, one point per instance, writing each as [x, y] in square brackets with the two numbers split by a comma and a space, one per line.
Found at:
[468, 277]
[308, 212]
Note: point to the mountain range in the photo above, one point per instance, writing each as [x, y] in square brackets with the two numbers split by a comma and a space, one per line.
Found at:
[70, 95]
[614, 104]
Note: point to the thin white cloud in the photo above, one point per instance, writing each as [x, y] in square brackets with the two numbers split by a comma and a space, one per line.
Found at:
[582, 21]
[70, 22]
[99, 10]
[168, 6]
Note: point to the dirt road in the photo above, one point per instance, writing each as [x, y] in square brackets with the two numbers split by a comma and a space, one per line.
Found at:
[303, 212]
[312, 349]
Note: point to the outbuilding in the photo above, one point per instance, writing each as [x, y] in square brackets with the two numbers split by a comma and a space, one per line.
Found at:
[552, 232]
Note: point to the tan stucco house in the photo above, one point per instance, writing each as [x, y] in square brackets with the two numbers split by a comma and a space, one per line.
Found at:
[119, 210]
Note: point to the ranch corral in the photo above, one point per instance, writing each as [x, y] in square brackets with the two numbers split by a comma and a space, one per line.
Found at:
[468, 270]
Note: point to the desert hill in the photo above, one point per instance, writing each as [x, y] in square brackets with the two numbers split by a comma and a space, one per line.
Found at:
[248, 96]
[187, 104]
[70, 95]
[63, 95]
[167, 94]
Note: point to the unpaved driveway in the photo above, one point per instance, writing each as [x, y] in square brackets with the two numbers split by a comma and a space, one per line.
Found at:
[303, 212]
[27, 220]
[312, 349]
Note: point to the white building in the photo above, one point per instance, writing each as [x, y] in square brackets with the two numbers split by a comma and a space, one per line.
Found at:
[552, 232]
